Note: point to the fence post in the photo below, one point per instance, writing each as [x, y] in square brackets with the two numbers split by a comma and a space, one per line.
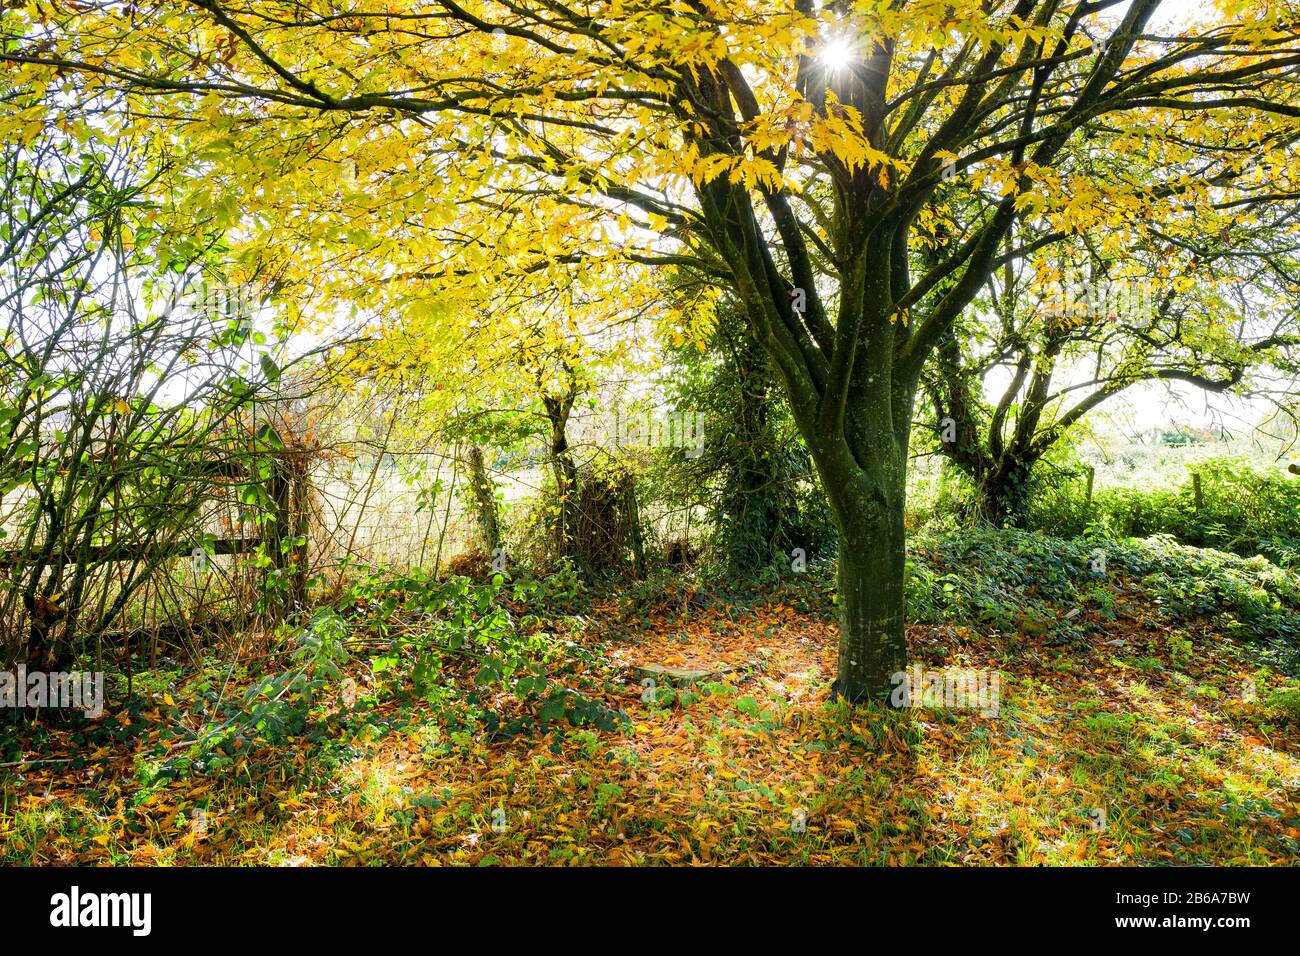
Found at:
[1196, 490]
[284, 489]
[1092, 473]
[637, 538]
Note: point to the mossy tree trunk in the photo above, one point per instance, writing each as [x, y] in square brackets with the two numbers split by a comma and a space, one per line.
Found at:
[483, 500]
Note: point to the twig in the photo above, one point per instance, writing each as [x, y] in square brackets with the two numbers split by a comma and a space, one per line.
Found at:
[33, 763]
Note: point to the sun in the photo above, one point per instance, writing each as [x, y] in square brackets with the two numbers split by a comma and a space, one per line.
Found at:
[837, 54]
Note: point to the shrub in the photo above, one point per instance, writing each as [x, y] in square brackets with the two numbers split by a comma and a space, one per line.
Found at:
[1010, 580]
[1284, 704]
[1244, 509]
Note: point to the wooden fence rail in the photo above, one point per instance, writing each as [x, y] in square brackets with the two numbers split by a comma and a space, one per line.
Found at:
[117, 552]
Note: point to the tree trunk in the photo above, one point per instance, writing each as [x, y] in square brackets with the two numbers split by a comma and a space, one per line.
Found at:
[635, 535]
[484, 501]
[755, 497]
[872, 596]
[565, 472]
[285, 534]
[868, 503]
[1004, 494]
[872, 604]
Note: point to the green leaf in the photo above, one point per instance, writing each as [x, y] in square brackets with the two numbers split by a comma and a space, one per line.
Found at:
[269, 368]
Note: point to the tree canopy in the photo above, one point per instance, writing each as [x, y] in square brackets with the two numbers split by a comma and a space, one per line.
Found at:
[853, 173]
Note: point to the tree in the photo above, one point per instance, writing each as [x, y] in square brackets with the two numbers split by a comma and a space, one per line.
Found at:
[752, 475]
[523, 366]
[1211, 306]
[797, 152]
